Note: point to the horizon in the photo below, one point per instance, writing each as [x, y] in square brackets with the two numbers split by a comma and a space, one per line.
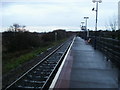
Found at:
[41, 29]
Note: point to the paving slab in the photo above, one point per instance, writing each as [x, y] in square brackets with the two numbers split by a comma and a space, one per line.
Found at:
[89, 68]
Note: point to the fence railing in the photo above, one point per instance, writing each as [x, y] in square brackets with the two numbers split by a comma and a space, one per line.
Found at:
[110, 47]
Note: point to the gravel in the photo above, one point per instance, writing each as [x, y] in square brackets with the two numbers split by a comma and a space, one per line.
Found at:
[12, 75]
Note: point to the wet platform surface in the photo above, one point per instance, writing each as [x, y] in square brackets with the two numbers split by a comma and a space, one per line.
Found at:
[86, 68]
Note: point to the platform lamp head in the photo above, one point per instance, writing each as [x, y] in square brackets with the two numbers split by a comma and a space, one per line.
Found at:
[100, 1]
[86, 17]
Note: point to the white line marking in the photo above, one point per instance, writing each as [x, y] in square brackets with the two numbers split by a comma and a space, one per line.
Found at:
[60, 69]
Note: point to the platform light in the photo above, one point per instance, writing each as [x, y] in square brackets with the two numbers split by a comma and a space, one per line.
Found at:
[86, 27]
[100, 1]
[96, 1]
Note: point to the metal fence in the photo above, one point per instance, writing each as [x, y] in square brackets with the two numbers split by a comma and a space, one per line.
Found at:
[110, 47]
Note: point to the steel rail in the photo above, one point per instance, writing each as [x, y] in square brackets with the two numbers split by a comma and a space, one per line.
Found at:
[51, 74]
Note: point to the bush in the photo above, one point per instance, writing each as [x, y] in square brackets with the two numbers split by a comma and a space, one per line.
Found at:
[16, 41]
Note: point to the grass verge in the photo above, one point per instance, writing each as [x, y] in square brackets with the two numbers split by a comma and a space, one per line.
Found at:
[16, 61]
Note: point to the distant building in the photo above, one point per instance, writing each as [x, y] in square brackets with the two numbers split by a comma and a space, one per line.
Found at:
[119, 15]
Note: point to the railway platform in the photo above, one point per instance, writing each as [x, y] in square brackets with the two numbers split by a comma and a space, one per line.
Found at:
[86, 67]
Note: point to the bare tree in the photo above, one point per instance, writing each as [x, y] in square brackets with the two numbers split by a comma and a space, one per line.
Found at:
[23, 28]
[113, 23]
[16, 26]
[11, 28]
[107, 26]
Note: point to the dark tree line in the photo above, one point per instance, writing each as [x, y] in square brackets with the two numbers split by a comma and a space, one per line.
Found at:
[107, 34]
[18, 40]
[55, 35]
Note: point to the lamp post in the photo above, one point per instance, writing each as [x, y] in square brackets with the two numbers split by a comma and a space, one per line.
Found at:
[82, 28]
[55, 36]
[86, 26]
[96, 1]
[82, 23]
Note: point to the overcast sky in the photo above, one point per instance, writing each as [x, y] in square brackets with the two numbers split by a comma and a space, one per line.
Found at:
[47, 15]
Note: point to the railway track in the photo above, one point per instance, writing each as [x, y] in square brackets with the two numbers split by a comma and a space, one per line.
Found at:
[41, 75]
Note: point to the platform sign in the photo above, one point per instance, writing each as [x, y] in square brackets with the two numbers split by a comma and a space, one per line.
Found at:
[83, 28]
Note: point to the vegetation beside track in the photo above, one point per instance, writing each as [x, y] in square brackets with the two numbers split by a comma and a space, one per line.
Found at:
[16, 61]
[20, 46]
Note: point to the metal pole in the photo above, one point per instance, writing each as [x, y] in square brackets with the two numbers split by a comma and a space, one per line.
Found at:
[84, 30]
[96, 15]
[87, 30]
[55, 36]
[82, 23]
[96, 24]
